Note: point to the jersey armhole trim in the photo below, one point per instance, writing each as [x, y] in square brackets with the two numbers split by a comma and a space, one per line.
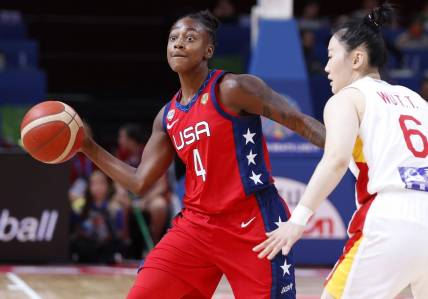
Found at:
[165, 112]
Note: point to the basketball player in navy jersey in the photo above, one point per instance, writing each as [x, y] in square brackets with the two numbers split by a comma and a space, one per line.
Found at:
[213, 124]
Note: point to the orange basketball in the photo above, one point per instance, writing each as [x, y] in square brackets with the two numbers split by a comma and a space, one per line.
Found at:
[52, 132]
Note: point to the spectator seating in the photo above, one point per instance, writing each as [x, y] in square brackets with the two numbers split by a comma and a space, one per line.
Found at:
[22, 83]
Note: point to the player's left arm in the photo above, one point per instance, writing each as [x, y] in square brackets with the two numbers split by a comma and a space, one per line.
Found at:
[342, 123]
[247, 93]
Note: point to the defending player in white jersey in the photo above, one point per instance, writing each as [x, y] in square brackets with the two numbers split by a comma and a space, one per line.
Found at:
[383, 128]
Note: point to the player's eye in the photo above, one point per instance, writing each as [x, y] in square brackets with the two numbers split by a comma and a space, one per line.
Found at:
[190, 38]
[172, 38]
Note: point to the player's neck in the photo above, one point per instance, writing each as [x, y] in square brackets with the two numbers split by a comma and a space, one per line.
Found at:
[191, 82]
[372, 73]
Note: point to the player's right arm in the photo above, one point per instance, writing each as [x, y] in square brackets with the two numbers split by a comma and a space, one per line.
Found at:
[157, 156]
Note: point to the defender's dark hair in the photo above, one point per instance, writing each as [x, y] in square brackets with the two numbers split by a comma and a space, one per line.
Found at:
[208, 20]
[366, 32]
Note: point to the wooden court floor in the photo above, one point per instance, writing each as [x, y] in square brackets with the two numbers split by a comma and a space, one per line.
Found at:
[99, 282]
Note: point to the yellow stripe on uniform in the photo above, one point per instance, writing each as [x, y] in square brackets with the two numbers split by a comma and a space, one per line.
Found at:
[357, 153]
[337, 282]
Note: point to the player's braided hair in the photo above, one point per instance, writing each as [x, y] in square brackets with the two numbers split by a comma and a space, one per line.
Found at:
[366, 31]
[208, 20]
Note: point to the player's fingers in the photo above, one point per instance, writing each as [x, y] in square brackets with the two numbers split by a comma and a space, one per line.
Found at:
[262, 245]
[267, 249]
[284, 250]
[276, 249]
[287, 247]
[259, 247]
[269, 233]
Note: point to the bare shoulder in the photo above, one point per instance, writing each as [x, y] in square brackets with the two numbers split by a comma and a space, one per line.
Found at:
[237, 91]
[238, 82]
[230, 92]
[236, 87]
[346, 98]
[229, 84]
[229, 81]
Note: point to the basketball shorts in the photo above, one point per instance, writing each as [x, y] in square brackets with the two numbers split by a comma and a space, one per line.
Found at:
[191, 258]
[390, 253]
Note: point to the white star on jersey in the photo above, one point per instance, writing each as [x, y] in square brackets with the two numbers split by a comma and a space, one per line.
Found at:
[251, 157]
[279, 221]
[256, 178]
[249, 137]
[286, 267]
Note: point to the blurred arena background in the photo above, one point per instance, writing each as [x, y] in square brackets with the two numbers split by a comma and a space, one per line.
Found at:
[108, 61]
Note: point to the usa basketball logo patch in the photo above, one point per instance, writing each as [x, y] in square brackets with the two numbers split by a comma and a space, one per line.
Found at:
[170, 114]
[204, 98]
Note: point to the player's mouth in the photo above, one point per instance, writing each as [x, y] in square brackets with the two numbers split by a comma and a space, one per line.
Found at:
[178, 55]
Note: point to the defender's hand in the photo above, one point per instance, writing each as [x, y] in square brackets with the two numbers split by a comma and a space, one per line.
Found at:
[283, 238]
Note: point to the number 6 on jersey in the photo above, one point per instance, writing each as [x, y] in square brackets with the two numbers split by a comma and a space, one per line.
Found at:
[408, 133]
[199, 168]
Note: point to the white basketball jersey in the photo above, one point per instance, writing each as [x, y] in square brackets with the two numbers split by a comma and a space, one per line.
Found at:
[393, 137]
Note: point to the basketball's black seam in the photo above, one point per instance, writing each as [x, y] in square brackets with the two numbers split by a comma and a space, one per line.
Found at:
[69, 113]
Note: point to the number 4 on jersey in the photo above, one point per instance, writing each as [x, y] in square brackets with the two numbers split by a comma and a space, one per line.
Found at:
[199, 168]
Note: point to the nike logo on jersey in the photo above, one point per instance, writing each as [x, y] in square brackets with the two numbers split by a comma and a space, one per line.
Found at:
[245, 224]
[170, 125]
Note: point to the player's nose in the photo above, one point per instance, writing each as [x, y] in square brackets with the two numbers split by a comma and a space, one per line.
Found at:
[178, 44]
[327, 69]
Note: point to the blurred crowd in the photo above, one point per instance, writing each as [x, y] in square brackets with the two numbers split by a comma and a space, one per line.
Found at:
[406, 41]
[406, 33]
[108, 223]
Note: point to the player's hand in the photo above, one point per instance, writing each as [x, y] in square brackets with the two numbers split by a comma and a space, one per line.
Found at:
[283, 238]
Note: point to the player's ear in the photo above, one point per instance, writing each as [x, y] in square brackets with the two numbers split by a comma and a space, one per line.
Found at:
[209, 52]
[359, 58]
